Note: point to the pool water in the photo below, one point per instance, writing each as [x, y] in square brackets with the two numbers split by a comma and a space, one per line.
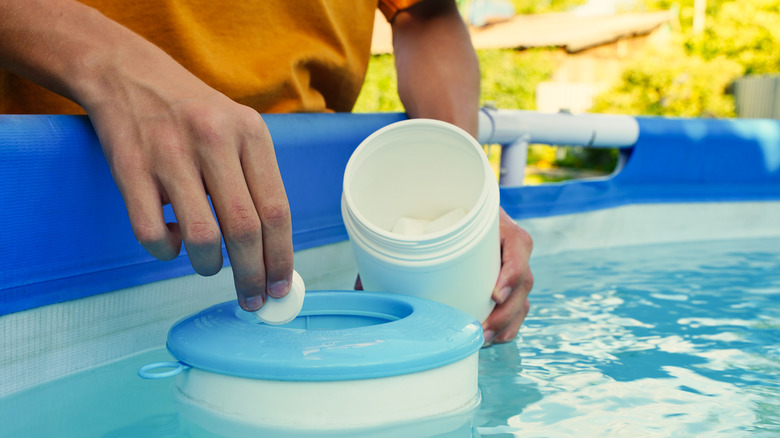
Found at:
[668, 340]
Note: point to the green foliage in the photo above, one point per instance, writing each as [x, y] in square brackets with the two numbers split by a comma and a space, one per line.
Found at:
[580, 157]
[509, 79]
[380, 88]
[670, 82]
[690, 77]
[686, 77]
[745, 31]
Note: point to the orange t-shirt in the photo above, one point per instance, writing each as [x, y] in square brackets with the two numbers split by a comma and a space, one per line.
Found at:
[274, 56]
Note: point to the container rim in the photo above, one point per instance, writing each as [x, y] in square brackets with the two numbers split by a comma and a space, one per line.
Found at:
[425, 239]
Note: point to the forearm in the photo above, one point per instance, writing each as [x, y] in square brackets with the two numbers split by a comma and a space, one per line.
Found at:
[438, 69]
[74, 50]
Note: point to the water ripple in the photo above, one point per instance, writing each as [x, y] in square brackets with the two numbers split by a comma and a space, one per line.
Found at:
[672, 340]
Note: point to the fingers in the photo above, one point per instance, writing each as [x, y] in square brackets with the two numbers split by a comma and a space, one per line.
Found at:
[514, 283]
[266, 190]
[227, 152]
[242, 230]
[161, 240]
[175, 167]
[503, 324]
[516, 247]
[235, 156]
[199, 229]
[146, 218]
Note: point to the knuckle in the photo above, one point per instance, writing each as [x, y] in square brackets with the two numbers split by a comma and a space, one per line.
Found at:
[202, 234]
[526, 239]
[528, 281]
[522, 236]
[148, 233]
[275, 215]
[251, 284]
[249, 118]
[154, 239]
[214, 128]
[246, 117]
[203, 123]
[208, 128]
[242, 226]
[254, 132]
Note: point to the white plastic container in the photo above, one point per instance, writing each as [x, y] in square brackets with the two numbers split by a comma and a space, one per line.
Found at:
[415, 173]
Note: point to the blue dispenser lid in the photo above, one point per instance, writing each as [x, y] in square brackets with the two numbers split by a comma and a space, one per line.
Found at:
[339, 335]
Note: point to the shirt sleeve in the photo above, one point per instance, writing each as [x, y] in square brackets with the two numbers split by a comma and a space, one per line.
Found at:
[391, 7]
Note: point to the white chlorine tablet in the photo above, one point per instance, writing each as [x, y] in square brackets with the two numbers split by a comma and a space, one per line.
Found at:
[409, 226]
[283, 310]
[445, 221]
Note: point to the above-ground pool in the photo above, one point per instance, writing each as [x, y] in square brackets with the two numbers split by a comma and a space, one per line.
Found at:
[655, 310]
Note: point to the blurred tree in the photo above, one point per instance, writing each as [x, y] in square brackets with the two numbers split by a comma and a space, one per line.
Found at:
[690, 76]
[686, 77]
[509, 79]
[746, 31]
[670, 82]
[380, 88]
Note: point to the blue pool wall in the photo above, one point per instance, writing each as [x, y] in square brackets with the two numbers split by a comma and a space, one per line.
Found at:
[64, 232]
[673, 161]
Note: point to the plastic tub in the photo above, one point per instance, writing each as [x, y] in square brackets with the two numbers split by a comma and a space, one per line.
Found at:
[403, 188]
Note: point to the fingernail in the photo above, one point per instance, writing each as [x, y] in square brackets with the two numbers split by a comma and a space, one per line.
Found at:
[489, 335]
[254, 303]
[279, 288]
[503, 294]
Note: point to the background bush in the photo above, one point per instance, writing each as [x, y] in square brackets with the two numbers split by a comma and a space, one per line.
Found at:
[686, 76]
[667, 81]
[509, 79]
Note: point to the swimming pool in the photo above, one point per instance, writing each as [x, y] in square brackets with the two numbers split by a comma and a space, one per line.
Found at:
[650, 340]
[656, 310]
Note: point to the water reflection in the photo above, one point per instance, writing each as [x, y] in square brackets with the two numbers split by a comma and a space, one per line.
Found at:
[506, 391]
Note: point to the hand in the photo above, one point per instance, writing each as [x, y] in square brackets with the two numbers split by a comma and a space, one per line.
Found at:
[514, 283]
[169, 138]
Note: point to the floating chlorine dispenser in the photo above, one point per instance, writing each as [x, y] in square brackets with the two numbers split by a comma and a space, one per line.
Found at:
[349, 360]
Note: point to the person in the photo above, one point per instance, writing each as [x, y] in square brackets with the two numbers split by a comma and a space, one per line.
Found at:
[175, 89]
